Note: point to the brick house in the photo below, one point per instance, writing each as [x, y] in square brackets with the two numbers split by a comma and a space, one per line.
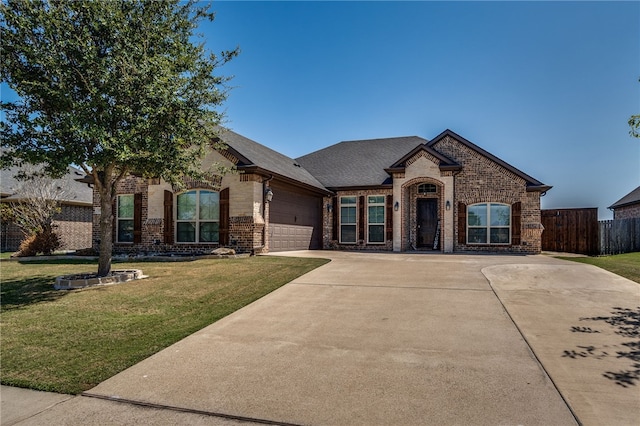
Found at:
[628, 206]
[74, 221]
[270, 204]
[394, 194]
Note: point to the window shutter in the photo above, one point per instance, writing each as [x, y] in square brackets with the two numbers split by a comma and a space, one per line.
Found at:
[361, 233]
[137, 218]
[336, 225]
[168, 217]
[516, 223]
[462, 223]
[114, 220]
[224, 217]
[389, 213]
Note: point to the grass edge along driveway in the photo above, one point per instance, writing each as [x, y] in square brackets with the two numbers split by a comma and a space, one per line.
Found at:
[69, 341]
[626, 265]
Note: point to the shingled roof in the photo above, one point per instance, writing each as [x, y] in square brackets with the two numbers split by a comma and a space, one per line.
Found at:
[359, 163]
[253, 156]
[631, 198]
[74, 191]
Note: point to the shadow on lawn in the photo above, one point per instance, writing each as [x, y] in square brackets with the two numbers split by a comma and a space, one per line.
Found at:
[16, 294]
[626, 323]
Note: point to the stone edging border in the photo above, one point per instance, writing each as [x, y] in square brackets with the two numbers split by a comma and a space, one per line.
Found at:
[77, 281]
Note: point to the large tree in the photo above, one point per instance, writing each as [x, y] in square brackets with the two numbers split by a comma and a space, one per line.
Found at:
[115, 87]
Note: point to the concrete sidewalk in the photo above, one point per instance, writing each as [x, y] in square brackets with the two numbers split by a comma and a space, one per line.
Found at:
[377, 339]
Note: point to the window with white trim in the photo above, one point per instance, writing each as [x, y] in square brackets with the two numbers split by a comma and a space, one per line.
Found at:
[124, 218]
[198, 217]
[348, 219]
[375, 218]
[489, 223]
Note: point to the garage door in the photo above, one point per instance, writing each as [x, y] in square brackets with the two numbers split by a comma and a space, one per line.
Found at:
[290, 237]
[295, 219]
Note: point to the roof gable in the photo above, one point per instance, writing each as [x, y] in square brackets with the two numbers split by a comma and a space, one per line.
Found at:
[252, 156]
[532, 184]
[444, 162]
[631, 198]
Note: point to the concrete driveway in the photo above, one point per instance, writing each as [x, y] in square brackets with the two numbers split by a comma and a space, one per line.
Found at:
[392, 339]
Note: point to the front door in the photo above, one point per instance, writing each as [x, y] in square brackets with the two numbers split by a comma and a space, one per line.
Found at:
[427, 223]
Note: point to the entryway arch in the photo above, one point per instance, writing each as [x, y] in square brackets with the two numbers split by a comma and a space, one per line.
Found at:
[423, 207]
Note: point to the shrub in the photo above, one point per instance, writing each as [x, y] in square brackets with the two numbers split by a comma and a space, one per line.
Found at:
[43, 242]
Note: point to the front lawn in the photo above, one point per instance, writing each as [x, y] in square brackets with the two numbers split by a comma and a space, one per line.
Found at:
[626, 265]
[69, 341]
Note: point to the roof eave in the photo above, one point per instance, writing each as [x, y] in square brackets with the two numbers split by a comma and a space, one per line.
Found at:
[538, 188]
[361, 187]
[267, 173]
[530, 180]
[617, 206]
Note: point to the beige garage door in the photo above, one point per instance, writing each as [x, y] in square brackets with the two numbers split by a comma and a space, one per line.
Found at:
[289, 237]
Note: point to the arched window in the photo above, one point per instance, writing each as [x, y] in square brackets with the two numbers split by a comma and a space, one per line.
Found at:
[198, 217]
[489, 223]
[427, 188]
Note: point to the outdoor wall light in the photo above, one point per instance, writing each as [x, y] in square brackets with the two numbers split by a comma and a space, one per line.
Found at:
[329, 207]
[448, 205]
[268, 195]
[396, 206]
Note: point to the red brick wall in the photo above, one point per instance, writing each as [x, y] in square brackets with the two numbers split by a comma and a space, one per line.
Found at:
[72, 224]
[244, 235]
[482, 180]
[627, 212]
[330, 243]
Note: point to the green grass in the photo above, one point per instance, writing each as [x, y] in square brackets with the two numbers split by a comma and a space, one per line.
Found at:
[69, 341]
[626, 265]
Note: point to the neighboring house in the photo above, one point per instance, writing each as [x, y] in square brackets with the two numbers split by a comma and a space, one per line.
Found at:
[395, 194]
[628, 206]
[73, 223]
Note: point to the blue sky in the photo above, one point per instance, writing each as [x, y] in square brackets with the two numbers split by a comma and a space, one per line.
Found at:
[546, 86]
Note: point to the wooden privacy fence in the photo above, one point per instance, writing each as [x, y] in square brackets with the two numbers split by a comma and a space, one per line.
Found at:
[570, 230]
[619, 236]
[579, 231]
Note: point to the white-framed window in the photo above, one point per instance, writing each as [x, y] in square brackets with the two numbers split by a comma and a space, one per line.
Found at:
[348, 219]
[198, 216]
[375, 218]
[124, 218]
[489, 223]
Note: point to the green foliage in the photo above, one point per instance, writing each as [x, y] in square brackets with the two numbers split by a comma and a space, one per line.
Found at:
[7, 214]
[626, 265]
[109, 83]
[115, 87]
[634, 124]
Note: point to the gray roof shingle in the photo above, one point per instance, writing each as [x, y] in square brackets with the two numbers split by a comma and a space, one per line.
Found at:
[74, 192]
[358, 163]
[631, 198]
[252, 153]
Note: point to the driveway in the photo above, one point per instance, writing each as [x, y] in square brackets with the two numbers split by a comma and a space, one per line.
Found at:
[395, 339]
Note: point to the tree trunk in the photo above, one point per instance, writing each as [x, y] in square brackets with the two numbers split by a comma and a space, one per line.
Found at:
[106, 234]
